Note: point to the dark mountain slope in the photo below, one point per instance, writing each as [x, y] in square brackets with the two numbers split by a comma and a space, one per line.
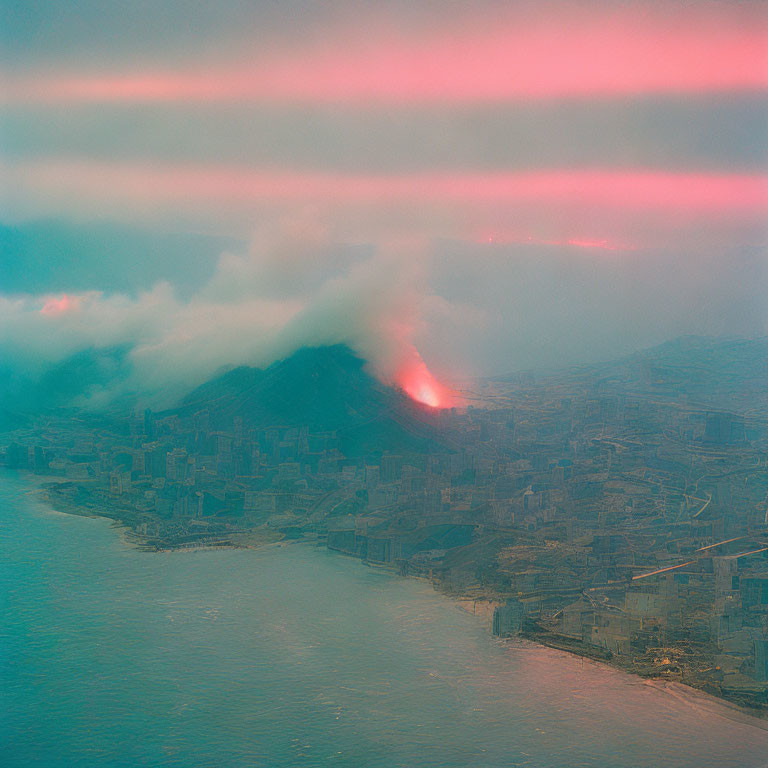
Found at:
[324, 389]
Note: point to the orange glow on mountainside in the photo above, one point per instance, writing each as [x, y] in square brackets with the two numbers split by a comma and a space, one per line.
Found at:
[427, 395]
[421, 386]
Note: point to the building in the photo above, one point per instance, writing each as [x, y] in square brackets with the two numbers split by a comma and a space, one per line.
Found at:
[508, 618]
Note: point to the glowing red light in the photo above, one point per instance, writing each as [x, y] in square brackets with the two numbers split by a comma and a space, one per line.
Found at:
[426, 395]
[421, 386]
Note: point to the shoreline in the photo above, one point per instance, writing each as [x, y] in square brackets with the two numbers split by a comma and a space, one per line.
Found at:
[757, 715]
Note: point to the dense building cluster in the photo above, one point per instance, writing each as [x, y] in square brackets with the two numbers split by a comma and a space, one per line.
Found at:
[602, 511]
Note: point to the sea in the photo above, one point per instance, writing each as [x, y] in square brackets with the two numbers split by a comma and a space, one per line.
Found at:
[295, 656]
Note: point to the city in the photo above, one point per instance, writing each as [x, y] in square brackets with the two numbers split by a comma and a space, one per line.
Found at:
[618, 512]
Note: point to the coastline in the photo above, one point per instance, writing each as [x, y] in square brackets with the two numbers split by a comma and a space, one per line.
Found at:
[480, 606]
[131, 537]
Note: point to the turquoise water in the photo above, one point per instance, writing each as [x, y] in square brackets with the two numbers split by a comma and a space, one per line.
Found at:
[294, 656]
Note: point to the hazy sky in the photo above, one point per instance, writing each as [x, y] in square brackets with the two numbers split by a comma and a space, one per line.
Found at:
[488, 186]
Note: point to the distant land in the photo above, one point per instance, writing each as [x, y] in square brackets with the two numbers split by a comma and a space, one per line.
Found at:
[618, 511]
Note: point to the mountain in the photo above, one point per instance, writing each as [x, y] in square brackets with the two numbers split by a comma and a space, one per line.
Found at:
[711, 372]
[67, 383]
[325, 389]
[727, 373]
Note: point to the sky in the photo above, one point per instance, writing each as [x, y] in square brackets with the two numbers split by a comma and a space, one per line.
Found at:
[466, 188]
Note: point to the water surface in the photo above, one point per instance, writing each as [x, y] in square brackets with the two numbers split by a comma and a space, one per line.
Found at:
[294, 657]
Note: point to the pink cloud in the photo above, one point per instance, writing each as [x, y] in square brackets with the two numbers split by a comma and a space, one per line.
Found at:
[57, 306]
[601, 244]
[609, 189]
[551, 52]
